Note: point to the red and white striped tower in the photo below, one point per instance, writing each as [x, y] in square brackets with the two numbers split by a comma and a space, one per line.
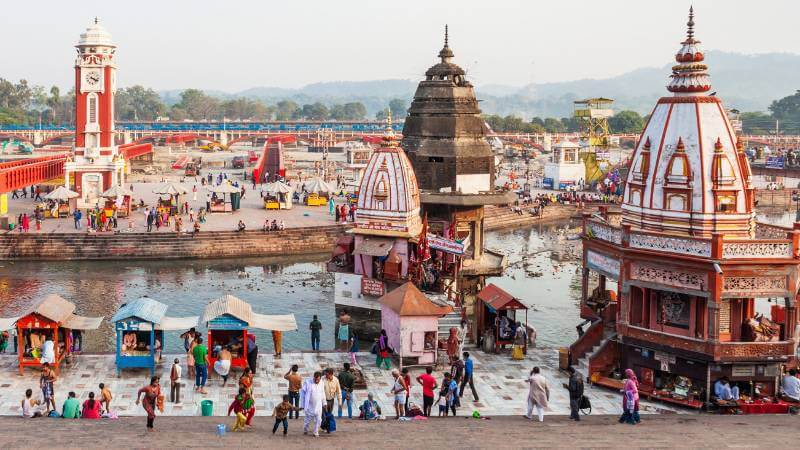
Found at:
[96, 164]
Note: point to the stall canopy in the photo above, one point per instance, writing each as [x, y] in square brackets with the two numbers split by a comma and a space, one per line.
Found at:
[498, 299]
[278, 187]
[225, 188]
[61, 194]
[117, 191]
[170, 189]
[374, 247]
[407, 300]
[55, 308]
[148, 310]
[239, 309]
[318, 186]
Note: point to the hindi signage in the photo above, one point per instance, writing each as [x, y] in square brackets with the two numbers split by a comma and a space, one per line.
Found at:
[445, 245]
[775, 162]
[373, 287]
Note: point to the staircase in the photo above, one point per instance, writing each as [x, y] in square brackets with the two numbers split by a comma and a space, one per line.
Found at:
[452, 320]
[582, 365]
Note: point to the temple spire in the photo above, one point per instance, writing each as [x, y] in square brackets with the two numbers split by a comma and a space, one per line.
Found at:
[446, 54]
[690, 25]
[96, 20]
[389, 139]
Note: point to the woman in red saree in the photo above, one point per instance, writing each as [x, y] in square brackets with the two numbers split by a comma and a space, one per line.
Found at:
[151, 394]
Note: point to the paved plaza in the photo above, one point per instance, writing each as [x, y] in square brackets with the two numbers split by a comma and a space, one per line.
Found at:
[499, 380]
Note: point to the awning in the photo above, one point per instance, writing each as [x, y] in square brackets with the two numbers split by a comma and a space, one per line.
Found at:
[499, 299]
[7, 323]
[374, 247]
[278, 323]
[74, 322]
[177, 323]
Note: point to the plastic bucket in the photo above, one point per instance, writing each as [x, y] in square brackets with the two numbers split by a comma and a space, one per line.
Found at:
[207, 408]
[221, 429]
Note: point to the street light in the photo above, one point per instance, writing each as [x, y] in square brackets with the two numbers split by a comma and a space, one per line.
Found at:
[796, 199]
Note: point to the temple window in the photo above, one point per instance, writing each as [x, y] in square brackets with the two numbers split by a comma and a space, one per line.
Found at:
[676, 202]
[726, 203]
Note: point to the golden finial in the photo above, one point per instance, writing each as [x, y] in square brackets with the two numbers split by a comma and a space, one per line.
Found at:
[690, 24]
[388, 135]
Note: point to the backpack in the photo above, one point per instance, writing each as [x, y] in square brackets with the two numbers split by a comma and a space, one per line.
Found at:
[328, 422]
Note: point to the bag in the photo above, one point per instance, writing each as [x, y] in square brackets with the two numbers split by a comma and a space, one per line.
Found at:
[585, 403]
[54, 414]
[374, 349]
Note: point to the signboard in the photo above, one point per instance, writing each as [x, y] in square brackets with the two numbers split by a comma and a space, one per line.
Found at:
[743, 371]
[547, 183]
[373, 287]
[565, 184]
[445, 245]
[775, 162]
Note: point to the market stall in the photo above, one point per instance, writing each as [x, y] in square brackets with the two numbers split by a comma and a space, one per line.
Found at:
[45, 330]
[140, 327]
[411, 321]
[228, 319]
[278, 195]
[318, 192]
[496, 315]
[118, 198]
[170, 205]
[63, 202]
[219, 193]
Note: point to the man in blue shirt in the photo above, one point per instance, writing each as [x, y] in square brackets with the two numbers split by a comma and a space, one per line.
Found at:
[468, 371]
[724, 391]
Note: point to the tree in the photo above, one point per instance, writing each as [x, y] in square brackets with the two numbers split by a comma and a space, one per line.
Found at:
[197, 105]
[287, 110]
[629, 122]
[316, 111]
[355, 111]
[383, 114]
[398, 108]
[243, 109]
[787, 108]
[757, 123]
[552, 125]
[138, 103]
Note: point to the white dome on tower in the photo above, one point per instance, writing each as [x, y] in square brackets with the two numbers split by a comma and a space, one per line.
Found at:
[96, 35]
[689, 175]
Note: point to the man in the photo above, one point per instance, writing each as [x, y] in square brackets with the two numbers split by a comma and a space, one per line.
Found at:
[538, 394]
[71, 408]
[252, 352]
[315, 326]
[77, 216]
[346, 381]
[724, 391]
[791, 387]
[313, 397]
[46, 383]
[295, 383]
[575, 388]
[333, 391]
[468, 371]
[428, 386]
[201, 363]
[175, 382]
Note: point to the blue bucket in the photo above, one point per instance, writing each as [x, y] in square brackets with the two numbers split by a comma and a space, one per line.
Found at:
[221, 429]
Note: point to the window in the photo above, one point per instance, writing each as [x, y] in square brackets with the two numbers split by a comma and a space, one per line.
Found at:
[726, 203]
[92, 108]
[676, 202]
[435, 159]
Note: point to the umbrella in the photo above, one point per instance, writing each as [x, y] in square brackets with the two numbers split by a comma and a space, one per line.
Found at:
[278, 187]
[225, 188]
[61, 194]
[171, 189]
[116, 191]
[317, 185]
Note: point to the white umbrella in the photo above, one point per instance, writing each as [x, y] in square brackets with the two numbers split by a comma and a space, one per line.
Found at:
[278, 187]
[61, 194]
[117, 191]
[171, 189]
[225, 188]
[317, 185]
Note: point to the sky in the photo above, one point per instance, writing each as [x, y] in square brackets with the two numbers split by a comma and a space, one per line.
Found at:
[233, 45]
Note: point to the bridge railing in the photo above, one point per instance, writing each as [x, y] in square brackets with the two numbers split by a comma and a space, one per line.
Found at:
[34, 171]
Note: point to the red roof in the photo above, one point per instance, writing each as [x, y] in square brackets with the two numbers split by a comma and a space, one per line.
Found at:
[499, 299]
[407, 300]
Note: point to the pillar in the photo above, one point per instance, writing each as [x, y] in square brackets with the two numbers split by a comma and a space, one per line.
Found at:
[223, 138]
[38, 138]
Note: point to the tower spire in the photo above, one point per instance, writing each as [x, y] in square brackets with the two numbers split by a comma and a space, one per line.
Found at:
[690, 25]
[446, 54]
[96, 20]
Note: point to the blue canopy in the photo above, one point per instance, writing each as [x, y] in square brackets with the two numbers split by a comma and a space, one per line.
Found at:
[144, 308]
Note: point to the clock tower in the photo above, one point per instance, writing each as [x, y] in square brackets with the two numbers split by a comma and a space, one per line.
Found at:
[96, 164]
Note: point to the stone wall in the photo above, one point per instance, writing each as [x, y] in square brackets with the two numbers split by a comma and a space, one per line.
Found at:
[206, 244]
[501, 217]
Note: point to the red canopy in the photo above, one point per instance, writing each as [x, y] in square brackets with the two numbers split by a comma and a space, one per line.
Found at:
[499, 299]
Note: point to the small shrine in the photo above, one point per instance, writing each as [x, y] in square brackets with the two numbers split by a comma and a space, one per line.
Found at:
[565, 168]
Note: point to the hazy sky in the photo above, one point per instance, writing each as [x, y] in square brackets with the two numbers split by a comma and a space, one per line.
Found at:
[236, 44]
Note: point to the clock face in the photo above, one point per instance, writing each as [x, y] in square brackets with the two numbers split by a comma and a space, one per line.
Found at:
[92, 78]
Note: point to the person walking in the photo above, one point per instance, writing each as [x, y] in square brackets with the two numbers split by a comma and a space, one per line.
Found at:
[398, 392]
[46, 384]
[313, 397]
[429, 386]
[77, 215]
[630, 399]
[346, 382]
[295, 384]
[575, 388]
[333, 390]
[175, 382]
[538, 394]
[201, 362]
[252, 353]
[382, 359]
[281, 412]
[315, 326]
[151, 392]
[469, 370]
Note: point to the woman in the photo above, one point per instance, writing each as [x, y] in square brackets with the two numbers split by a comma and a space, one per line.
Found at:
[452, 344]
[538, 394]
[344, 332]
[630, 399]
[223, 364]
[151, 394]
[190, 354]
[383, 351]
[353, 348]
[399, 394]
[91, 408]
[246, 380]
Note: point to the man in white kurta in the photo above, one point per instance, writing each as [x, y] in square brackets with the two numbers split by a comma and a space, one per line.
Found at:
[312, 397]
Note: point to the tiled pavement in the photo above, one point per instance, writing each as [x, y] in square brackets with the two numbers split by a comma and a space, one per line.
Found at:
[499, 380]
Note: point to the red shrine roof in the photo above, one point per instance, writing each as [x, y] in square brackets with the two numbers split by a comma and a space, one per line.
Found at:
[407, 300]
[499, 299]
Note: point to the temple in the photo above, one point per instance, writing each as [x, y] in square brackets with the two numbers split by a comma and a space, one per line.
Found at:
[684, 286]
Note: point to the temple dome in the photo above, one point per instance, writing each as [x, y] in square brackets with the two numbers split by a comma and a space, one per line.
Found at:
[96, 34]
[688, 175]
[388, 196]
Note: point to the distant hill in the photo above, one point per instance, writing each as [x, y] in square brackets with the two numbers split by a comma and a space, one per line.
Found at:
[746, 82]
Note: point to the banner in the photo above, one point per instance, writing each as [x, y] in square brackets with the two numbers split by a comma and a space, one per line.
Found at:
[445, 245]
[775, 162]
[547, 183]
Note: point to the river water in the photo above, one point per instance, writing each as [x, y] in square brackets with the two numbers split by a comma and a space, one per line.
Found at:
[542, 271]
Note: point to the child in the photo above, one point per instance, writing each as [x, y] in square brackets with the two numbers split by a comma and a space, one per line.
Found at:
[442, 399]
[105, 396]
[242, 405]
[281, 412]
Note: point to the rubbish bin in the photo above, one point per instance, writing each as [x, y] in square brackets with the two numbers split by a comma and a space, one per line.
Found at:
[563, 358]
[207, 408]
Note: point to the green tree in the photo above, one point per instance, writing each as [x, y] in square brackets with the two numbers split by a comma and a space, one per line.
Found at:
[138, 103]
[626, 122]
[383, 114]
[787, 108]
[757, 123]
[198, 105]
[398, 107]
[355, 111]
[316, 111]
[552, 125]
[287, 110]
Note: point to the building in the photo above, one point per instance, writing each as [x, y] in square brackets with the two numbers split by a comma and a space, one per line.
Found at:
[96, 164]
[446, 141]
[565, 168]
[691, 268]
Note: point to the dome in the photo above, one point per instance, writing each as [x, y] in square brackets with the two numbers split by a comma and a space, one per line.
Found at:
[96, 35]
[567, 144]
[688, 173]
[388, 196]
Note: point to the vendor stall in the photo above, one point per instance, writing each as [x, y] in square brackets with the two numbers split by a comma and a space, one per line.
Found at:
[318, 192]
[118, 198]
[63, 200]
[171, 205]
[411, 321]
[140, 327]
[228, 319]
[278, 195]
[44, 332]
[496, 316]
[218, 197]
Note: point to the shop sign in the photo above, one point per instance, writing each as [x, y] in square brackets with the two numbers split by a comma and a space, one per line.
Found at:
[547, 183]
[743, 371]
[445, 245]
[775, 162]
[373, 287]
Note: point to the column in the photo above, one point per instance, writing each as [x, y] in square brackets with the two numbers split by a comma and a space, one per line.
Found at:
[713, 321]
